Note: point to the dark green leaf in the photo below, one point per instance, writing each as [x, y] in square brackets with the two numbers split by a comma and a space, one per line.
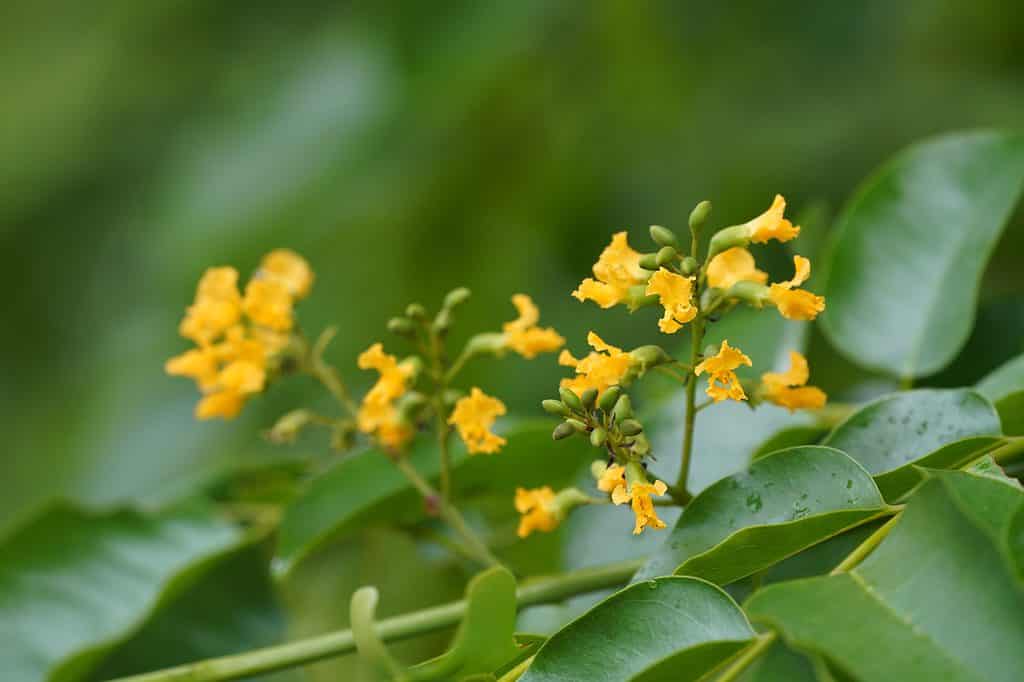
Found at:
[934, 601]
[784, 503]
[790, 438]
[780, 664]
[1015, 541]
[910, 248]
[229, 610]
[678, 627]
[74, 583]
[893, 434]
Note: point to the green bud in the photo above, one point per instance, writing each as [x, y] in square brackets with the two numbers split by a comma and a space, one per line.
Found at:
[649, 261]
[588, 398]
[287, 428]
[401, 326]
[650, 356]
[456, 297]
[411, 403]
[727, 238]
[490, 343]
[699, 214]
[416, 311]
[562, 431]
[631, 427]
[623, 409]
[576, 424]
[451, 396]
[751, 293]
[598, 467]
[666, 255]
[598, 437]
[641, 445]
[609, 398]
[689, 266]
[710, 350]
[571, 399]
[556, 407]
[442, 321]
[664, 236]
[638, 298]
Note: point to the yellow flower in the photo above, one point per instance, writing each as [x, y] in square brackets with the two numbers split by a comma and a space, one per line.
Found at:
[474, 415]
[617, 269]
[771, 224]
[789, 388]
[732, 266]
[268, 304]
[796, 304]
[224, 404]
[722, 382]
[199, 364]
[378, 414]
[289, 269]
[676, 295]
[524, 336]
[217, 306]
[613, 481]
[537, 509]
[598, 370]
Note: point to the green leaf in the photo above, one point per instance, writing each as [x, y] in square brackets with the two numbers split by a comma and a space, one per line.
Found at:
[230, 609]
[75, 583]
[782, 504]
[1004, 387]
[934, 601]
[1015, 541]
[669, 628]
[911, 246]
[367, 487]
[928, 427]
[791, 437]
[780, 663]
[485, 639]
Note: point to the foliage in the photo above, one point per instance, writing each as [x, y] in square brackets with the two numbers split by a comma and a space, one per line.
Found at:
[813, 538]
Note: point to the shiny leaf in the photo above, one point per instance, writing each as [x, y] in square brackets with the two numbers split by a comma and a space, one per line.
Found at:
[669, 628]
[911, 246]
[784, 503]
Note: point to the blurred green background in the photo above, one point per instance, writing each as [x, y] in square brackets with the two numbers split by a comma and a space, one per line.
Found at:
[407, 148]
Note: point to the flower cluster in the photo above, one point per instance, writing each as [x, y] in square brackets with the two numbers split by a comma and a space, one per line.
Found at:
[238, 337]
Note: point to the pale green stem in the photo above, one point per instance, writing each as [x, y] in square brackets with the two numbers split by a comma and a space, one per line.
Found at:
[679, 490]
[748, 656]
[329, 376]
[305, 651]
[870, 543]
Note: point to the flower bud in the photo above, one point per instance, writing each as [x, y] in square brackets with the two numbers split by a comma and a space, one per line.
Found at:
[451, 396]
[597, 468]
[556, 407]
[623, 409]
[689, 266]
[442, 321]
[609, 398]
[666, 255]
[699, 214]
[649, 261]
[650, 356]
[401, 326]
[562, 431]
[723, 240]
[639, 298]
[287, 428]
[630, 427]
[751, 293]
[576, 424]
[416, 312]
[664, 236]
[456, 297]
[641, 445]
[570, 399]
[490, 343]
[411, 403]
[598, 437]
[588, 398]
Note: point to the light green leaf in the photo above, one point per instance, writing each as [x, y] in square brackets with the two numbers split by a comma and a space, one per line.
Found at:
[1004, 387]
[1015, 541]
[911, 246]
[1006, 379]
[367, 487]
[75, 583]
[484, 641]
[784, 503]
[669, 628]
[927, 427]
[934, 601]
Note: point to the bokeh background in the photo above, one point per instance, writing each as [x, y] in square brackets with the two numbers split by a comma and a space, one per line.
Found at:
[407, 148]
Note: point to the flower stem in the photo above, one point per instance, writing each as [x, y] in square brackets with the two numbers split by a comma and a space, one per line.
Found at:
[448, 513]
[304, 651]
[1009, 451]
[327, 375]
[679, 490]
